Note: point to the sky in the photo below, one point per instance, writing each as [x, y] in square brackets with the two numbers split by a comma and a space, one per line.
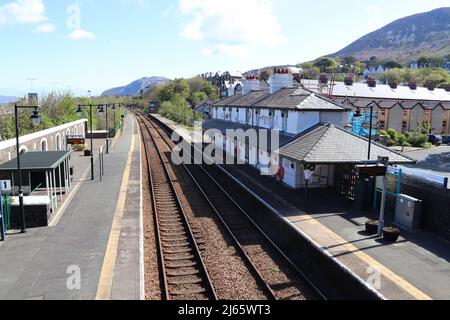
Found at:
[82, 45]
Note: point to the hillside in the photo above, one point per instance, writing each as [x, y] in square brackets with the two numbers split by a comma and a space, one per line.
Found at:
[406, 39]
[135, 86]
[6, 100]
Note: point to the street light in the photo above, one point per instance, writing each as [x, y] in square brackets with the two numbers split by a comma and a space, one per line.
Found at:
[36, 119]
[359, 114]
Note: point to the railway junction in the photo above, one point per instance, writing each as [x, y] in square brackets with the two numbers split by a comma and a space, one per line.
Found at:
[152, 230]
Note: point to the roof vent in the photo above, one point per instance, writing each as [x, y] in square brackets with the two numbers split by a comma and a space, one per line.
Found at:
[372, 83]
[348, 80]
[412, 85]
[393, 84]
[323, 78]
[431, 86]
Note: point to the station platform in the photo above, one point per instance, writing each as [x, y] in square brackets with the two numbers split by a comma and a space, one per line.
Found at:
[93, 246]
[415, 268]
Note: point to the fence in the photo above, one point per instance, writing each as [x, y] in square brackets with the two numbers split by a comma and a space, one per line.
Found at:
[436, 203]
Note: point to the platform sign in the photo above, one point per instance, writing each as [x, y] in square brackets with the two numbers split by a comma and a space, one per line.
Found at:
[5, 186]
[372, 170]
[75, 140]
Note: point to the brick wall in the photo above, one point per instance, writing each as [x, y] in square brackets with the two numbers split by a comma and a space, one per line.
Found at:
[435, 208]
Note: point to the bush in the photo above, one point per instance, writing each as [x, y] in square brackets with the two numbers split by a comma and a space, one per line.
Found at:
[418, 140]
[392, 134]
[427, 145]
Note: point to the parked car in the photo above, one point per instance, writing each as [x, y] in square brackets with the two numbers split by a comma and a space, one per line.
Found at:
[435, 139]
[446, 140]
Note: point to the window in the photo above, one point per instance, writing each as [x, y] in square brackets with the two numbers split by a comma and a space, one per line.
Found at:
[44, 145]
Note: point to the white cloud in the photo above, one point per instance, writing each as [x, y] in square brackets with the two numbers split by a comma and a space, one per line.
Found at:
[233, 51]
[232, 26]
[46, 28]
[23, 12]
[79, 34]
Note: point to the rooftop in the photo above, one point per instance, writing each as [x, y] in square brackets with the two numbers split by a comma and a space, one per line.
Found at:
[382, 91]
[328, 144]
[288, 98]
[37, 161]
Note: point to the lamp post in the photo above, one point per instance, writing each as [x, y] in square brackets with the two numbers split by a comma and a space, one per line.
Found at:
[36, 122]
[80, 114]
[370, 131]
[358, 114]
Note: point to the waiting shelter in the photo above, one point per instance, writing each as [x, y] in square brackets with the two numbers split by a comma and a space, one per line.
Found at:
[45, 177]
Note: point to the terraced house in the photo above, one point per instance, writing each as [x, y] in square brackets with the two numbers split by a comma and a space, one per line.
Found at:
[402, 108]
[311, 128]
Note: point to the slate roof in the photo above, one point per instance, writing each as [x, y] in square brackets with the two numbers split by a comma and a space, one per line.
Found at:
[298, 99]
[295, 98]
[37, 161]
[327, 144]
[222, 126]
[381, 91]
[247, 100]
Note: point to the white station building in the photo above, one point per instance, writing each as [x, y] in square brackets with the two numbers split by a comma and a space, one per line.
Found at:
[310, 128]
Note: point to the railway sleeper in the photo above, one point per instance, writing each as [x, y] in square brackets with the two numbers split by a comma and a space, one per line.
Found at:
[176, 251]
[183, 273]
[180, 265]
[184, 282]
[188, 292]
[182, 258]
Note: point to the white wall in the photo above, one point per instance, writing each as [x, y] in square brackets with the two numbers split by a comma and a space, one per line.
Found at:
[235, 115]
[301, 121]
[266, 118]
[337, 118]
[242, 115]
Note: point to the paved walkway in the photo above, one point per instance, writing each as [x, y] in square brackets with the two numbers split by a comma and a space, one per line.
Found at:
[94, 250]
[416, 267]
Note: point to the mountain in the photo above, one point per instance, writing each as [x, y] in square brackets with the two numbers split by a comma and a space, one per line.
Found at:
[405, 39]
[6, 100]
[255, 71]
[134, 87]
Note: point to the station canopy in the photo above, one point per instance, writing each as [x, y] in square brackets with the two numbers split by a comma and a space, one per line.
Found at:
[37, 161]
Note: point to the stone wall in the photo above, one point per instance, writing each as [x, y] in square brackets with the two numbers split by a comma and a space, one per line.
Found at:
[435, 207]
[52, 139]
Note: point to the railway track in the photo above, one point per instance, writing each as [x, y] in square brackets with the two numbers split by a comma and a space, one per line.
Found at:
[184, 275]
[277, 276]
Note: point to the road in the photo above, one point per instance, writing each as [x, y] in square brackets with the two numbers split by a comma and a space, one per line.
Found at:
[436, 160]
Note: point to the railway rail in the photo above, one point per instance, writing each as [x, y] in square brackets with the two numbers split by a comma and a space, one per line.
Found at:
[184, 275]
[267, 263]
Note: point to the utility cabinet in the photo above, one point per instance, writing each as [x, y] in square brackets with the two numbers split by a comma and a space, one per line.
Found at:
[408, 212]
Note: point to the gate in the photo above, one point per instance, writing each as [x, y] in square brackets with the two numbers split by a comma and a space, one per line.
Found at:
[347, 179]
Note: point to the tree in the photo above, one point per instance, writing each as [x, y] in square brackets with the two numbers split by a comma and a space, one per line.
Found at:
[392, 65]
[423, 62]
[309, 71]
[327, 65]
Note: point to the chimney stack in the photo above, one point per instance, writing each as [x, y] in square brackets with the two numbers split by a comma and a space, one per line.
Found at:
[280, 79]
[251, 83]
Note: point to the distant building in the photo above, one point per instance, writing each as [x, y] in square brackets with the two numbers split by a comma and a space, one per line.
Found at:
[310, 128]
[402, 108]
[374, 72]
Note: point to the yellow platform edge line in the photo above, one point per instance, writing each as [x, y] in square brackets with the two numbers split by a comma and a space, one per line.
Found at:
[386, 272]
[105, 284]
